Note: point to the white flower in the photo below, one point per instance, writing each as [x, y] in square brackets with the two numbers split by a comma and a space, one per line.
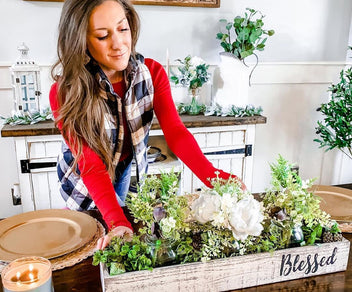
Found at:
[206, 207]
[228, 201]
[219, 219]
[245, 218]
[167, 224]
[306, 184]
[196, 61]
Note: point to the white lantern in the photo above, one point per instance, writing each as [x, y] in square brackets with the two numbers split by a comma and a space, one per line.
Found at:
[25, 82]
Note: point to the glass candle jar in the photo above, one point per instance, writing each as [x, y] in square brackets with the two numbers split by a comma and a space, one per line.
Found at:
[161, 251]
[31, 274]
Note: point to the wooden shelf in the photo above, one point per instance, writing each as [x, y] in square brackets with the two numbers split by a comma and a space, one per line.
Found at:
[48, 127]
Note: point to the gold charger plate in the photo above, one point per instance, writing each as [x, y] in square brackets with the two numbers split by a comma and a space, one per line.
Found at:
[46, 233]
[337, 202]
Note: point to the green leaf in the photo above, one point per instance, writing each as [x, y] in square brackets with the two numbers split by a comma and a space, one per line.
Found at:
[116, 269]
[219, 35]
[229, 25]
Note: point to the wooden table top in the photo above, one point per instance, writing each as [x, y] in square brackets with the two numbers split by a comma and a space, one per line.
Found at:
[85, 277]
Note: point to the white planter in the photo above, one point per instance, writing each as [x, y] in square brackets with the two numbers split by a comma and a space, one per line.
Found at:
[235, 78]
[235, 272]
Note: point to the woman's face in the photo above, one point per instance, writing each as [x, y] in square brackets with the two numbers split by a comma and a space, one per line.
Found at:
[109, 39]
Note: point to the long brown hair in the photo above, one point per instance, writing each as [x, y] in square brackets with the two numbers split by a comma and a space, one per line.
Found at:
[82, 105]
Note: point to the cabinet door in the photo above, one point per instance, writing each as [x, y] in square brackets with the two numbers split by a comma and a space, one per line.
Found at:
[37, 157]
[227, 148]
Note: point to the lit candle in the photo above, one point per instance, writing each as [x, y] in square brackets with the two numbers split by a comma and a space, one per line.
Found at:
[31, 274]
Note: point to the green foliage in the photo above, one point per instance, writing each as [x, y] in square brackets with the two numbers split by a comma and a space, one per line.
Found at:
[193, 72]
[312, 233]
[217, 110]
[289, 207]
[230, 186]
[336, 129]
[276, 235]
[248, 32]
[27, 118]
[233, 111]
[290, 193]
[121, 256]
[282, 174]
[191, 109]
[160, 191]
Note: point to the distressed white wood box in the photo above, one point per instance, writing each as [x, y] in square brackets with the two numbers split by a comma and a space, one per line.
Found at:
[235, 272]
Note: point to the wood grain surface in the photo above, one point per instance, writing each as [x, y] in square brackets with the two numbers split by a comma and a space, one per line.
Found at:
[48, 127]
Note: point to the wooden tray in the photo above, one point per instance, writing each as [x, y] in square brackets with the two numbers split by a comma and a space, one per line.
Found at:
[235, 272]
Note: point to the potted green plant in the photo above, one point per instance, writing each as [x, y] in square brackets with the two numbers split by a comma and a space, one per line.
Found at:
[335, 130]
[242, 38]
[193, 74]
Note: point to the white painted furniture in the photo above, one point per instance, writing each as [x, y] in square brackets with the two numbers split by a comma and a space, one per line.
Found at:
[227, 142]
[36, 162]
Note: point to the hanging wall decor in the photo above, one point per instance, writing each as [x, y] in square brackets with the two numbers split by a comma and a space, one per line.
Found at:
[189, 3]
[192, 3]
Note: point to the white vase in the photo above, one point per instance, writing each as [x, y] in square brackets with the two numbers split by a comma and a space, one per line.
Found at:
[235, 78]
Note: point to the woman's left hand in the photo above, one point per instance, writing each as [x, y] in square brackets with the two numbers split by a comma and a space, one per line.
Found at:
[119, 231]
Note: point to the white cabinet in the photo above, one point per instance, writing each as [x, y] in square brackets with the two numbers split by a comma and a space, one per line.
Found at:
[36, 162]
[229, 148]
[227, 142]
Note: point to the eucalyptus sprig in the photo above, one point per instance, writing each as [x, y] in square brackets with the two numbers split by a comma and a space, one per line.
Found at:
[245, 34]
[192, 73]
[335, 130]
[233, 111]
[28, 118]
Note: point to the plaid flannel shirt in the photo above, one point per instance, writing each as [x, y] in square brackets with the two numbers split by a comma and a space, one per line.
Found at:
[138, 105]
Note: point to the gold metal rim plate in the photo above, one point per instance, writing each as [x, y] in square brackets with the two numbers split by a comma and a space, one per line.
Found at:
[335, 201]
[46, 233]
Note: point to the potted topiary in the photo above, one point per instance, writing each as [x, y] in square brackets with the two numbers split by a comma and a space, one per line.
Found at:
[335, 132]
[243, 37]
[336, 129]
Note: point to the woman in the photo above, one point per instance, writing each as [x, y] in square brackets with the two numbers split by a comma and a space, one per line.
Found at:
[103, 103]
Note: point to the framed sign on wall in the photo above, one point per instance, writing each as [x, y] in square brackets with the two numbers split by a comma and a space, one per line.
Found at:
[194, 3]
[189, 3]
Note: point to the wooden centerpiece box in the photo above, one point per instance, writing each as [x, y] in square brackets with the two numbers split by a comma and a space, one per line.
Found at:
[235, 272]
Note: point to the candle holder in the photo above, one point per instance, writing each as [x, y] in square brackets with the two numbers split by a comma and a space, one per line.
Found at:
[31, 274]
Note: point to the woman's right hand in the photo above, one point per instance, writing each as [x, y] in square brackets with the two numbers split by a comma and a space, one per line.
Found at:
[119, 231]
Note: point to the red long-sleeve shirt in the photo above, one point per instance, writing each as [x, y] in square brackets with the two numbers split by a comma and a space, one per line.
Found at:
[179, 139]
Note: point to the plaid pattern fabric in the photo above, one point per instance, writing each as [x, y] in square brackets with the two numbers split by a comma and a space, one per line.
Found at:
[138, 105]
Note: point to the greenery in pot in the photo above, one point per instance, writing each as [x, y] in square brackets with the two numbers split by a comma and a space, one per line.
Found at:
[245, 34]
[192, 73]
[335, 130]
